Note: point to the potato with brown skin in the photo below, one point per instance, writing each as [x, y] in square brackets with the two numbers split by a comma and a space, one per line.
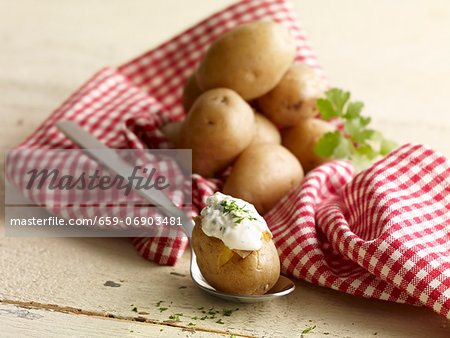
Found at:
[302, 138]
[171, 131]
[253, 275]
[265, 131]
[191, 92]
[263, 174]
[250, 59]
[219, 126]
[294, 98]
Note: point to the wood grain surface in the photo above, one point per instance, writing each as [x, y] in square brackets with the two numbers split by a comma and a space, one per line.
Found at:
[391, 55]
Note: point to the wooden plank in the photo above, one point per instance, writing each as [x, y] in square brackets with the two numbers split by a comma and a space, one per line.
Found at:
[24, 321]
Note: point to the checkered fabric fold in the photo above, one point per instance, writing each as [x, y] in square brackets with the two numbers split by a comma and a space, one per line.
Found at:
[384, 233]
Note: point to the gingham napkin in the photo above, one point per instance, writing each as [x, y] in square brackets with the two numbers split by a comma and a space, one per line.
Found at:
[383, 234]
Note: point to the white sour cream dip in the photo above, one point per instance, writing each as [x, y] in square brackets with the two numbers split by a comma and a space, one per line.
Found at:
[234, 221]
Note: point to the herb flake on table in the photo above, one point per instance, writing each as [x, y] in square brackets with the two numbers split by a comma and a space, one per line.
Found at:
[174, 317]
[220, 321]
[227, 313]
[309, 329]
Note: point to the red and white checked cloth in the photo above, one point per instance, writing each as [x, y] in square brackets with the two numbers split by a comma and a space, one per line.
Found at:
[383, 234]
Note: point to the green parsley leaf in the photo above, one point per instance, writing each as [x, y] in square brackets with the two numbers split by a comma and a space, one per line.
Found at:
[191, 324]
[220, 321]
[162, 309]
[135, 309]
[366, 150]
[326, 108]
[327, 143]
[343, 149]
[387, 146]
[356, 142]
[338, 99]
[354, 110]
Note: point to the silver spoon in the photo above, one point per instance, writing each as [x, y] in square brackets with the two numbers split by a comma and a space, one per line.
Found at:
[109, 158]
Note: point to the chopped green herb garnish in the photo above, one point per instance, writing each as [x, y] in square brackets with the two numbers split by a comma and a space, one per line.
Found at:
[203, 318]
[178, 314]
[203, 311]
[212, 317]
[326, 333]
[195, 317]
[227, 313]
[309, 329]
[375, 333]
[356, 143]
[161, 330]
[131, 331]
[310, 320]
[162, 309]
[238, 213]
[159, 303]
[191, 324]
[174, 317]
[135, 309]
[233, 336]
[220, 321]
[182, 287]
[200, 308]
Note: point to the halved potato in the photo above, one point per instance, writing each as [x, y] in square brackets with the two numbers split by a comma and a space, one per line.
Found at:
[226, 270]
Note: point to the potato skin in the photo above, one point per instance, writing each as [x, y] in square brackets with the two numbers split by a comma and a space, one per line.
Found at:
[172, 131]
[250, 59]
[219, 126]
[302, 138]
[191, 92]
[252, 275]
[263, 174]
[294, 98]
[265, 131]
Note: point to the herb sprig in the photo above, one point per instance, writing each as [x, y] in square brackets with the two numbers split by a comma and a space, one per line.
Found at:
[238, 213]
[357, 142]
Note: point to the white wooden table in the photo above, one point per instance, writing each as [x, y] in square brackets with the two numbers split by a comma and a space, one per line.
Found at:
[392, 55]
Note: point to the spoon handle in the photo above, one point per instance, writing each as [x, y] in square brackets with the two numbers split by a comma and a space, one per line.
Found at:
[113, 162]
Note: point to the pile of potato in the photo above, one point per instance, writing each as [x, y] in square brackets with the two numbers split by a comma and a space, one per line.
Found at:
[249, 106]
